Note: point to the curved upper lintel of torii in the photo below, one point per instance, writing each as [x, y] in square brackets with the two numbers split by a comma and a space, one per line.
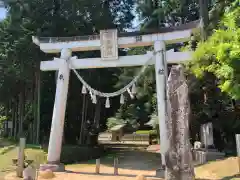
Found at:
[170, 35]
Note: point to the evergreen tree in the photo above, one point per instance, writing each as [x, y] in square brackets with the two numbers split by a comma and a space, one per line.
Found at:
[20, 60]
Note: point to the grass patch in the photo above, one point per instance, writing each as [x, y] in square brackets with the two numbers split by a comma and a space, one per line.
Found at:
[146, 132]
[143, 132]
[5, 149]
[37, 155]
[70, 154]
[9, 151]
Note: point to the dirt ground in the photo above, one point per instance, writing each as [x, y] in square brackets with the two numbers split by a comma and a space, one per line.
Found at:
[132, 164]
[88, 173]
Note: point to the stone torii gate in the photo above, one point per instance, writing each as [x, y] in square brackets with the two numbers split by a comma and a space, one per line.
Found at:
[108, 42]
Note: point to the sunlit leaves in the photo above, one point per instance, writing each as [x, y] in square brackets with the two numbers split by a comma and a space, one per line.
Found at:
[220, 55]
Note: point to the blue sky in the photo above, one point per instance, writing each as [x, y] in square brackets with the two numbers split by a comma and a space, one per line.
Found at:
[135, 21]
[2, 13]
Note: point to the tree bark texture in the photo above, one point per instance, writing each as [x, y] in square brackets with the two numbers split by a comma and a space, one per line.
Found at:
[203, 5]
[16, 117]
[97, 113]
[80, 140]
[179, 164]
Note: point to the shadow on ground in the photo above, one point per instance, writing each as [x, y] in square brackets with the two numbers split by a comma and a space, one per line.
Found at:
[104, 174]
[148, 176]
[231, 177]
[132, 159]
[225, 178]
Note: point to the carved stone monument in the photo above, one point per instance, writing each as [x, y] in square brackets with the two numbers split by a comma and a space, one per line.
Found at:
[208, 153]
[207, 134]
[179, 165]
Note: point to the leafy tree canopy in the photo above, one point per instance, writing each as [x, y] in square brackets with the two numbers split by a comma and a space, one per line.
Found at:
[220, 54]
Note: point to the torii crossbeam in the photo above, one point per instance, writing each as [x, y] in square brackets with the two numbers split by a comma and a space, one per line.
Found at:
[109, 51]
[123, 61]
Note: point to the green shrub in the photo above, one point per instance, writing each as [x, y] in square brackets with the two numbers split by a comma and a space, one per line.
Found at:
[2, 121]
[112, 121]
[73, 154]
[153, 132]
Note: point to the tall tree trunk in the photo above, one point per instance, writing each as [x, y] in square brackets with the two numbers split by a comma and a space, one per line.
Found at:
[97, 113]
[21, 110]
[36, 100]
[203, 4]
[34, 104]
[12, 117]
[15, 101]
[85, 120]
[19, 113]
[6, 114]
[39, 105]
[80, 140]
[32, 99]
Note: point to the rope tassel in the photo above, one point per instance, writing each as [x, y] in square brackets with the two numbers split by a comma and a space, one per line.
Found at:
[134, 89]
[122, 99]
[107, 104]
[130, 93]
[84, 90]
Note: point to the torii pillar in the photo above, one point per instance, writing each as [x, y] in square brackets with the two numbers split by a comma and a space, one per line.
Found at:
[57, 128]
[161, 82]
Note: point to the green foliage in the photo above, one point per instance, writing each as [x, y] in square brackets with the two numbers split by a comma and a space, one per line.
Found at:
[220, 55]
[20, 61]
[111, 122]
[155, 13]
[3, 118]
[2, 121]
[136, 111]
[20, 58]
[154, 121]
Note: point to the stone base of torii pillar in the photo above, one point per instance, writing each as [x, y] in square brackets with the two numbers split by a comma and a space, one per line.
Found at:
[53, 167]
